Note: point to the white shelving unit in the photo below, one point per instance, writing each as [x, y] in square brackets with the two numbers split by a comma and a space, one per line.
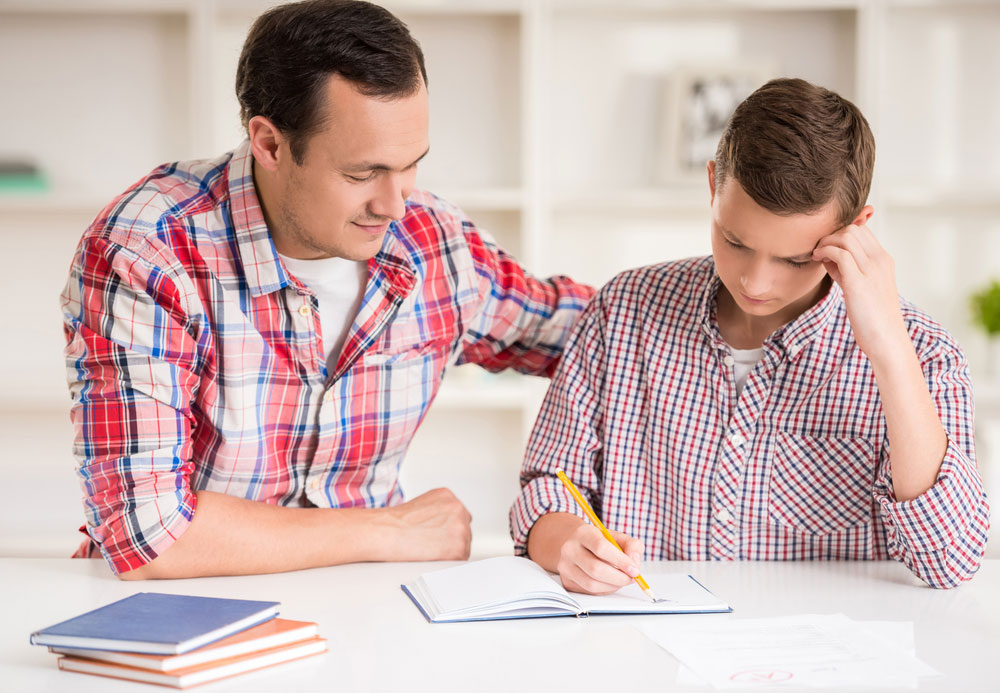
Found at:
[547, 127]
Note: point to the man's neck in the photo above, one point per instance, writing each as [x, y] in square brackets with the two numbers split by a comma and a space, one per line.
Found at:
[744, 331]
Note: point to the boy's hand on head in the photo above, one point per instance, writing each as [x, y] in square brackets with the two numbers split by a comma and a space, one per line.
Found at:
[865, 271]
[591, 564]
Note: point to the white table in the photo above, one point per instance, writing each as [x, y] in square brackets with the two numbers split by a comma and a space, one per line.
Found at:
[380, 642]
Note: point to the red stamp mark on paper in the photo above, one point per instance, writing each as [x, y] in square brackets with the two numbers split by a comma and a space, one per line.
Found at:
[762, 676]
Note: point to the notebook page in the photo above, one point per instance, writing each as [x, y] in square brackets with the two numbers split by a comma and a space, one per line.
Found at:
[494, 581]
[674, 592]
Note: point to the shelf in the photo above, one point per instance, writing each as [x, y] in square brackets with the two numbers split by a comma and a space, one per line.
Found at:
[483, 396]
[54, 203]
[687, 198]
[481, 199]
[951, 199]
[97, 7]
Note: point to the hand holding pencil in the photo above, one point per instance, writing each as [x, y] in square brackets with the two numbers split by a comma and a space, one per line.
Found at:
[595, 560]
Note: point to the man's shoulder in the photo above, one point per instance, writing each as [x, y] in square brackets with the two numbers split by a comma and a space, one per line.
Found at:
[164, 197]
[431, 220]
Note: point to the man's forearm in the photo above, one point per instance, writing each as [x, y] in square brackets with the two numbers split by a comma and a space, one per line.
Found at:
[236, 536]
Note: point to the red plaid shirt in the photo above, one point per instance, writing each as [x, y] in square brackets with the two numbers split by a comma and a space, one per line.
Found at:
[644, 417]
[196, 361]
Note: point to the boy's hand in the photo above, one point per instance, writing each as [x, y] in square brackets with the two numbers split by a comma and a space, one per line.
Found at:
[591, 564]
[866, 274]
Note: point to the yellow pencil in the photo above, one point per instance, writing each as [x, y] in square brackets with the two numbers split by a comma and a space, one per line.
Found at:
[596, 521]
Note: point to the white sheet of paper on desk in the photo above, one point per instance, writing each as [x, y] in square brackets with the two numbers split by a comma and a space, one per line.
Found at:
[816, 651]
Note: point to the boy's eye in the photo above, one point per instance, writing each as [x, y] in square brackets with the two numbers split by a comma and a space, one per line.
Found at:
[797, 265]
[731, 244]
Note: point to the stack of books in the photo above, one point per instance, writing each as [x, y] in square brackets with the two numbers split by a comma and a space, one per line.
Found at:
[177, 640]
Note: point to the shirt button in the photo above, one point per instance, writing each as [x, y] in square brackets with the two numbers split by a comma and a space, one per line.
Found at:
[723, 515]
[314, 484]
[304, 310]
[328, 397]
[728, 360]
[737, 440]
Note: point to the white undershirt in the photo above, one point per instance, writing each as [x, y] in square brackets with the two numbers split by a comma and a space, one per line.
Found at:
[743, 362]
[339, 286]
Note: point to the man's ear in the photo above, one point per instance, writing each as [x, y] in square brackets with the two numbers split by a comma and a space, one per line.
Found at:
[711, 181]
[266, 142]
[864, 215]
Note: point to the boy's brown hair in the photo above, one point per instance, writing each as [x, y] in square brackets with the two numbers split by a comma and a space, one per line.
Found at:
[794, 146]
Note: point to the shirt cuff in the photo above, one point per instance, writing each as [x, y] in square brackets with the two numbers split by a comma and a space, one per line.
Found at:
[129, 540]
[941, 534]
[540, 496]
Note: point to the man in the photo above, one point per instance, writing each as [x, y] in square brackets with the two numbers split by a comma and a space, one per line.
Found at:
[774, 401]
[253, 340]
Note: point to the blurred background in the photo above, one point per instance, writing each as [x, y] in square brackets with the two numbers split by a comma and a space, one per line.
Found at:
[575, 131]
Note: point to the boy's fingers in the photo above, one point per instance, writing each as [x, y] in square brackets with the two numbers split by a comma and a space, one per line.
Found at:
[606, 552]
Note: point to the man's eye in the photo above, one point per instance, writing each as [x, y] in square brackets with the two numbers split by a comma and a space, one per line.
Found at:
[356, 179]
[797, 265]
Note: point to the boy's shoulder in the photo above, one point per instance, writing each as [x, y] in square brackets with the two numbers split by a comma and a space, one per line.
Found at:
[676, 285]
[930, 338]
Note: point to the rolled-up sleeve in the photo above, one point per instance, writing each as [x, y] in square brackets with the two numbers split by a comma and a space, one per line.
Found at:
[132, 363]
[941, 534]
[567, 434]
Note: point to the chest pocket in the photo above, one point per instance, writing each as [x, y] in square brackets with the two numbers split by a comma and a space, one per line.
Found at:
[821, 485]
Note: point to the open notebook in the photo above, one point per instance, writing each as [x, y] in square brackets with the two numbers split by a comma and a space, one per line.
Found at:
[514, 587]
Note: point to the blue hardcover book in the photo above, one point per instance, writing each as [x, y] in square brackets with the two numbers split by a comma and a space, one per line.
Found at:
[155, 623]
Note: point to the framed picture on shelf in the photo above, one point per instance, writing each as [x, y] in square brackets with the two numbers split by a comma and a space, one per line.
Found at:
[698, 101]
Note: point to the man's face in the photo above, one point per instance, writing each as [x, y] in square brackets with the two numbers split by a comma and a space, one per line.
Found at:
[355, 175]
[764, 259]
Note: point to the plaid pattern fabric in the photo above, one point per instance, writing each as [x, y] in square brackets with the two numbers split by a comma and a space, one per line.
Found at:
[195, 360]
[643, 416]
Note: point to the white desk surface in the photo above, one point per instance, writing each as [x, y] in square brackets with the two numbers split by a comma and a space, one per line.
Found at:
[380, 642]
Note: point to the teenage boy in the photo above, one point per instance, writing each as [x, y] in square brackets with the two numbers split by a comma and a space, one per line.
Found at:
[774, 401]
[253, 340]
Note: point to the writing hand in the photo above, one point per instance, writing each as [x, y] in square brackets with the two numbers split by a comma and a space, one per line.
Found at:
[591, 564]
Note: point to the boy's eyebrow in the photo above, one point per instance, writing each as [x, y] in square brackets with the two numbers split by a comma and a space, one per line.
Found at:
[801, 257]
[371, 166]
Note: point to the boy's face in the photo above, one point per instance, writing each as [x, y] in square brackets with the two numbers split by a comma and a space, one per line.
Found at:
[764, 259]
[355, 175]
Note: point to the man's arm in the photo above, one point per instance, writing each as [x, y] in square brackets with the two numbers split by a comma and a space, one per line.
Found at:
[134, 334]
[236, 536]
[520, 321]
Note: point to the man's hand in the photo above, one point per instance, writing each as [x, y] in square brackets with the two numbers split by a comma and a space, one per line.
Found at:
[865, 272]
[434, 526]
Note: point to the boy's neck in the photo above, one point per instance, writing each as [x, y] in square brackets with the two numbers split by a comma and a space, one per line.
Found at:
[744, 331]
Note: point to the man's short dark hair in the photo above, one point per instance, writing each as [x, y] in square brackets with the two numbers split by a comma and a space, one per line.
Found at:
[293, 49]
[794, 147]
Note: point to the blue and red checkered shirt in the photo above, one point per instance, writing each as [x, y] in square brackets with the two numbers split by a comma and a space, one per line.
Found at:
[643, 415]
[195, 360]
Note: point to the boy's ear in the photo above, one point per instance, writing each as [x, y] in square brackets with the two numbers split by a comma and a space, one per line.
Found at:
[864, 215]
[711, 181]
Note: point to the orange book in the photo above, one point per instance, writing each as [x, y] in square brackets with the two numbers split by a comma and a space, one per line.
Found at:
[273, 633]
[201, 673]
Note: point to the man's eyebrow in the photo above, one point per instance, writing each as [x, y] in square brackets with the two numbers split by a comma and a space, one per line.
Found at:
[801, 257]
[372, 166]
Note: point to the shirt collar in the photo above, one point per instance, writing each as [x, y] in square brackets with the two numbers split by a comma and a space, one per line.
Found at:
[790, 338]
[264, 271]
